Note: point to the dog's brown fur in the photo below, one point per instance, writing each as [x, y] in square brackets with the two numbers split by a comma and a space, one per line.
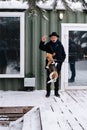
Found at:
[54, 75]
[50, 59]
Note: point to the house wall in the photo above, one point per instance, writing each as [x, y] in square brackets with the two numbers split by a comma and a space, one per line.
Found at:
[35, 28]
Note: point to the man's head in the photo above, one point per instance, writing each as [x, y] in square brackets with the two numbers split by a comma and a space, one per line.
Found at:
[54, 37]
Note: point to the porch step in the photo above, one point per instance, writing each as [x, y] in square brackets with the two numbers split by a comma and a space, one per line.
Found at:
[32, 120]
[8, 114]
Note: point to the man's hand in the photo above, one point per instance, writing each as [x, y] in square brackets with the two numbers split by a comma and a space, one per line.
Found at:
[44, 38]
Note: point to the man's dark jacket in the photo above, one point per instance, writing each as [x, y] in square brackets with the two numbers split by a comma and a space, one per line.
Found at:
[56, 47]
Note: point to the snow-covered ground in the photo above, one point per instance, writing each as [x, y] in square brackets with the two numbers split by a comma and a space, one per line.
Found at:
[4, 128]
[30, 120]
[65, 113]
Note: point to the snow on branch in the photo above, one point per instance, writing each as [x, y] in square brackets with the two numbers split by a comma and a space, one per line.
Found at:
[32, 5]
[74, 5]
[14, 4]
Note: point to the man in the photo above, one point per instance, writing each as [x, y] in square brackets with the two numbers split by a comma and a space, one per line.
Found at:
[53, 46]
[72, 59]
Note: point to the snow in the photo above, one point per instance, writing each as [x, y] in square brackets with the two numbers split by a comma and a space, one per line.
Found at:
[4, 128]
[84, 45]
[49, 4]
[16, 125]
[15, 98]
[73, 5]
[15, 4]
[64, 113]
[84, 35]
[32, 120]
[10, 98]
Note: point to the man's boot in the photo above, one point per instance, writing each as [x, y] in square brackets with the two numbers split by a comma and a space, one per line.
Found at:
[57, 94]
[71, 80]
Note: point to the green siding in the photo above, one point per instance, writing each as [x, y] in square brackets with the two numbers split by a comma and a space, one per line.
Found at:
[35, 28]
[11, 84]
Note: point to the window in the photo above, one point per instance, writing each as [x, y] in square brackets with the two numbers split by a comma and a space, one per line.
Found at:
[11, 44]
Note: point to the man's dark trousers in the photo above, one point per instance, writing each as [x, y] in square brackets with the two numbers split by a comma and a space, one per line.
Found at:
[72, 68]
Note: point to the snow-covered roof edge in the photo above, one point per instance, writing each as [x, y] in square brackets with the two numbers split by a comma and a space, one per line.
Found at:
[13, 4]
[48, 5]
[75, 6]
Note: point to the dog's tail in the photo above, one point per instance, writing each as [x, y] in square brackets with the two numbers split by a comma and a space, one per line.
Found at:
[50, 81]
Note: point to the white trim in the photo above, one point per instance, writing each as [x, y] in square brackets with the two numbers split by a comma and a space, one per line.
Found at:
[22, 37]
[64, 35]
[29, 82]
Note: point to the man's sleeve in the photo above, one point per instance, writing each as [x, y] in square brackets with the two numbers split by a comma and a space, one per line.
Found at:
[42, 46]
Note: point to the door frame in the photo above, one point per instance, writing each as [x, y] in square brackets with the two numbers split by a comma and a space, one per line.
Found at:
[65, 28]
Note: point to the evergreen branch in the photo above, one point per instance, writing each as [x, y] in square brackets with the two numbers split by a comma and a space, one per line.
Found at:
[66, 5]
[84, 3]
[54, 5]
[34, 9]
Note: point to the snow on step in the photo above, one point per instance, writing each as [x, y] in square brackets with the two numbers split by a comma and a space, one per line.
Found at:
[16, 125]
[4, 128]
[32, 120]
[65, 113]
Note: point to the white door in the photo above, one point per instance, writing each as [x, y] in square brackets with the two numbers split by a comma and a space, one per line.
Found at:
[74, 69]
